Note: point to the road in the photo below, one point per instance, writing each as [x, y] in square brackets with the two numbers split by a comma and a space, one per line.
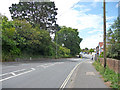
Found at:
[39, 74]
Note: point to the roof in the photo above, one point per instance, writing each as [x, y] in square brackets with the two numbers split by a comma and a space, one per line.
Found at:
[100, 44]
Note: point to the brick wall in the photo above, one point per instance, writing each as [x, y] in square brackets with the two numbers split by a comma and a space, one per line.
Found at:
[113, 64]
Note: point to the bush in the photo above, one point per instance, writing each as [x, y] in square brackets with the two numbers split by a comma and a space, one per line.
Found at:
[63, 51]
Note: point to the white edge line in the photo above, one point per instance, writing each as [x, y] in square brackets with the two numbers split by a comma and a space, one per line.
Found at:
[17, 75]
[68, 77]
[49, 64]
[19, 70]
[11, 72]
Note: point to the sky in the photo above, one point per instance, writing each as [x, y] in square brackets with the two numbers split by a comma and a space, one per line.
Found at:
[84, 15]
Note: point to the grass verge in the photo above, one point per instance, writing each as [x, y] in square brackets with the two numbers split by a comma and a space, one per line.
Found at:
[108, 75]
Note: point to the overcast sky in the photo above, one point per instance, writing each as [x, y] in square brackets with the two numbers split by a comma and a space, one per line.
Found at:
[87, 17]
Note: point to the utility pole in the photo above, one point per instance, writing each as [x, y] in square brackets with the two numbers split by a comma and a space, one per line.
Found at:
[104, 21]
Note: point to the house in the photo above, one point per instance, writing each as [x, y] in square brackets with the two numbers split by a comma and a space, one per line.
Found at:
[101, 45]
[97, 50]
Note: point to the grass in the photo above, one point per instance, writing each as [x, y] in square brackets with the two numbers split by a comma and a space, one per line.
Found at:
[108, 75]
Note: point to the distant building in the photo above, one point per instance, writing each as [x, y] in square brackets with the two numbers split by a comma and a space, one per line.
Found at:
[97, 50]
[100, 45]
[119, 9]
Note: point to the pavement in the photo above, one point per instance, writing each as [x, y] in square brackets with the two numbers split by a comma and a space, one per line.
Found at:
[58, 73]
[85, 76]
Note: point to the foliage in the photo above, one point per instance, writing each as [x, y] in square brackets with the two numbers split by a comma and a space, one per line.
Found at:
[42, 13]
[19, 39]
[32, 40]
[108, 74]
[113, 39]
[63, 52]
[86, 48]
[101, 55]
[69, 38]
[8, 43]
[91, 50]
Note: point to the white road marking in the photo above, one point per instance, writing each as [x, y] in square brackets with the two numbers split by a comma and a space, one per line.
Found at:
[33, 68]
[13, 72]
[68, 77]
[17, 74]
[44, 66]
[49, 64]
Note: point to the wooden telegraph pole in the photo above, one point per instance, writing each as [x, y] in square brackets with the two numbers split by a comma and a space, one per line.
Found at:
[104, 20]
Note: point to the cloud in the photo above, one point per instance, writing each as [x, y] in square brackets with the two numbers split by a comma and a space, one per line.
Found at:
[79, 6]
[94, 31]
[110, 18]
[91, 41]
[64, 5]
[116, 6]
[90, 21]
[77, 19]
[94, 4]
[99, 28]
[4, 7]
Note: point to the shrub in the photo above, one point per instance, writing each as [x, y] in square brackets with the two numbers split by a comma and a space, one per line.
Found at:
[63, 51]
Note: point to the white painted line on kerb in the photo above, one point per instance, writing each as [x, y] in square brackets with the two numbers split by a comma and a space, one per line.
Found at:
[17, 74]
[68, 77]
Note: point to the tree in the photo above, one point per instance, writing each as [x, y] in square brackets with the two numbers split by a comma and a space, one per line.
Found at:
[23, 34]
[86, 48]
[19, 38]
[9, 45]
[31, 40]
[69, 38]
[113, 39]
[91, 50]
[36, 13]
